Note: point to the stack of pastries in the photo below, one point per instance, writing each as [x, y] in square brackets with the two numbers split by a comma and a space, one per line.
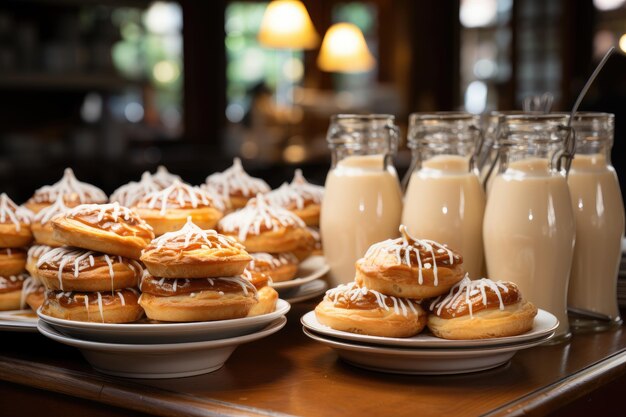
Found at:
[15, 235]
[235, 186]
[94, 276]
[276, 238]
[301, 198]
[130, 194]
[403, 285]
[195, 274]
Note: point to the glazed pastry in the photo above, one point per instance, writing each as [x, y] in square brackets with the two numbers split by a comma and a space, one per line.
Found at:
[107, 228]
[14, 224]
[267, 302]
[12, 261]
[300, 197]
[195, 253]
[33, 255]
[11, 291]
[355, 309]
[163, 178]
[235, 186]
[263, 227]
[33, 293]
[70, 189]
[198, 299]
[481, 309]
[279, 266]
[119, 307]
[42, 223]
[167, 210]
[73, 269]
[130, 194]
[409, 267]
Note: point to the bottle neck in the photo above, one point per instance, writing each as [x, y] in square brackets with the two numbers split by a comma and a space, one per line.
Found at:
[370, 160]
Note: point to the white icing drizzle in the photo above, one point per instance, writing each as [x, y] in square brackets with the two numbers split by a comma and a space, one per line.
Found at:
[276, 260]
[179, 195]
[257, 213]
[46, 214]
[30, 285]
[298, 192]
[352, 292]
[67, 255]
[100, 308]
[116, 211]
[235, 179]
[245, 284]
[467, 288]
[4, 281]
[130, 194]
[405, 245]
[68, 185]
[12, 213]
[190, 232]
[86, 300]
[163, 177]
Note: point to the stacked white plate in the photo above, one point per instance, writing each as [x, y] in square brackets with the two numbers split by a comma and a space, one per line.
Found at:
[425, 354]
[307, 284]
[161, 350]
[18, 321]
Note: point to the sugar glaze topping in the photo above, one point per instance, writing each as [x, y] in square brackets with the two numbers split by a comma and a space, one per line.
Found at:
[58, 208]
[191, 233]
[163, 178]
[5, 282]
[36, 251]
[116, 212]
[277, 260]
[69, 186]
[406, 245]
[467, 288]
[87, 300]
[245, 284]
[31, 285]
[180, 195]
[12, 213]
[352, 292]
[235, 179]
[298, 192]
[129, 194]
[258, 213]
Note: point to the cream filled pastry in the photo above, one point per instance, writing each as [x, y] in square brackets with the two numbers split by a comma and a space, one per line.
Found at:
[300, 197]
[70, 189]
[120, 306]
[33, 255]
[235, 185]
[12, 261]
[278, 266]
[11, 291]
[167, 210]
[355, 309]
[409, 267]
[481, 309]
[130, 194]
[107, 228]
[264, 227]
[197, 299]
[14, 224]
[74, 269]
[42, 222]
[192, 252]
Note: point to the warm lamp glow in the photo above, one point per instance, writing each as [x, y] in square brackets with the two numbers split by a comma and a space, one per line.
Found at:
[344, 50]
[286, 25]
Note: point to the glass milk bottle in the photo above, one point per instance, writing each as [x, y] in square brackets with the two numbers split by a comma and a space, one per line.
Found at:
[444, 200]
[529, 226]
[599, 213]
[363, 202]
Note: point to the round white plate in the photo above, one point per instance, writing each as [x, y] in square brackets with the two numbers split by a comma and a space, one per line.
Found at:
[422, 361]
[18, 321]
[309, 290]
[160, 332]
[311, 268]
[545, 324]
[172, 360]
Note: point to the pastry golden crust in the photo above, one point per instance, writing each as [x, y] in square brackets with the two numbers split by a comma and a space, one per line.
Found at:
[69, 189]
[481, 309]
[107, 228]
[33, 293]
[168, 210]
[12, 261]
[267, 302]
[42, 223]
[409, 267]
[35, 299]
[14, 224]
[10, 300]
[195, 253]
[184, 300]
[300, 197]
[34, 252]
[11, 291]
[235, 186]
[355, 309]
[278, 266]
[73, 269]
[263, 227]
[120, 307]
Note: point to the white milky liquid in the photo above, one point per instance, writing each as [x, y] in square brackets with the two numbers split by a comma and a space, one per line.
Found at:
[599, 212]
[446, 203]
[529, 233]
[362, 205]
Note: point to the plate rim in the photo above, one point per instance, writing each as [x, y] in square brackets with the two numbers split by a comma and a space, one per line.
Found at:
[298, 281]
[299, 298]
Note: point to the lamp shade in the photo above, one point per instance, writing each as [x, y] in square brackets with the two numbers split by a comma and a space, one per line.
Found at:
[286, 25]
[344, 50]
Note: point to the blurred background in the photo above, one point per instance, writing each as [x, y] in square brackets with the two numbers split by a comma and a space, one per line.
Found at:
[113, 88]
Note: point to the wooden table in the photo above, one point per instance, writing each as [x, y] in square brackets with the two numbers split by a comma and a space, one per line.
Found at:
[287, 373]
